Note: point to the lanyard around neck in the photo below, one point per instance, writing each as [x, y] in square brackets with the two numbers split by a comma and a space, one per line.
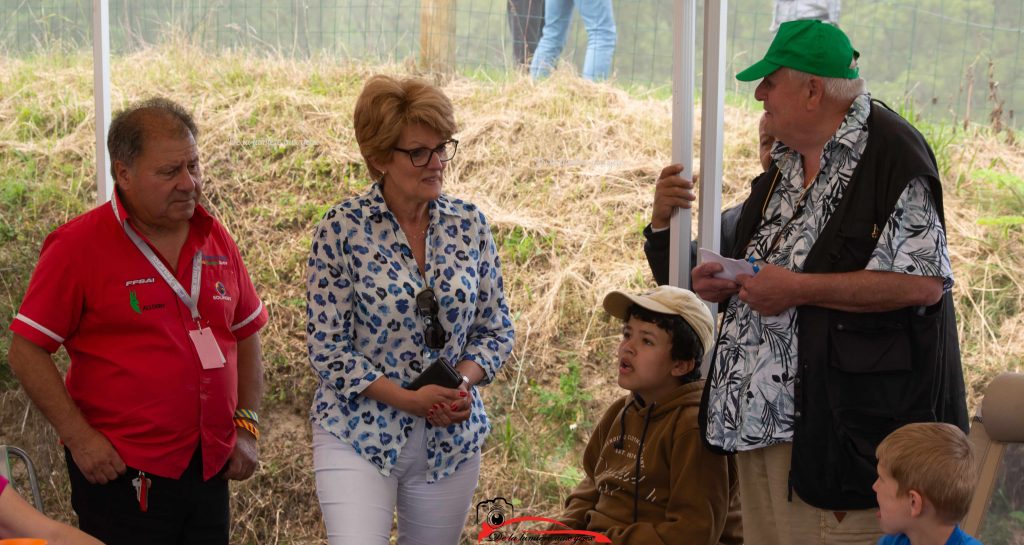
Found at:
[190, 300]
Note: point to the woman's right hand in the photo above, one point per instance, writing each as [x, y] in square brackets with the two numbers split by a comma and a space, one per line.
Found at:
[422, 401]
[445, 415]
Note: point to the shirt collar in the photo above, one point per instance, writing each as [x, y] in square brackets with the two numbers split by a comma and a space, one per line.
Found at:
[200, 218]
[849, 132]
[854, 124]
[377, 207]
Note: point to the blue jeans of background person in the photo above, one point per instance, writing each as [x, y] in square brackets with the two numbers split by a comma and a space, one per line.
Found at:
[600, 24]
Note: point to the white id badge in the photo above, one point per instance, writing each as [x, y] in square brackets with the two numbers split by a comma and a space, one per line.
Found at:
[206, 345]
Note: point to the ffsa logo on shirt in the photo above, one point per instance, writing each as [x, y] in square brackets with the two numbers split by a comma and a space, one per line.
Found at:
[133, 297]
[222, 292]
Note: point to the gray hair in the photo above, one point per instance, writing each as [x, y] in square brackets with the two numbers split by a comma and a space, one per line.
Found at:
[839, 89]
[128, 128]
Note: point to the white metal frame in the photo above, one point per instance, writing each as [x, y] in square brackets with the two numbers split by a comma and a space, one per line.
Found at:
[101, 95]
[712, 120]
[712, 113]
[712, 103]
[683, 53]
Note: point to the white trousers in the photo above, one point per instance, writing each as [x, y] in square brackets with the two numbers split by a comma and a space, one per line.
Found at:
[358, 503]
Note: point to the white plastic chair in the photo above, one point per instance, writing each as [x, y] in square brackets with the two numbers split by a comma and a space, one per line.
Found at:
[997, 433]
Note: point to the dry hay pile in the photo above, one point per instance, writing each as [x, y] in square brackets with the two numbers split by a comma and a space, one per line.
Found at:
[564, 169]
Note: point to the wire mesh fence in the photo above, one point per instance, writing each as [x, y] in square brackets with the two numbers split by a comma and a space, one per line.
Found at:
[948, 60]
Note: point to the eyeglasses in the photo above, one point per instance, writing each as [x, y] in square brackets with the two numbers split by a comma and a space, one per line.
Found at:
[420, 157]
[434, 334]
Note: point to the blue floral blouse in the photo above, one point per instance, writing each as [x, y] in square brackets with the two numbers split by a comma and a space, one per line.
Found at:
[362, 322]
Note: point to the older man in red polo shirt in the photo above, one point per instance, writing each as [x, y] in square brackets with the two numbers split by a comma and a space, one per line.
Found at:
[150, 298]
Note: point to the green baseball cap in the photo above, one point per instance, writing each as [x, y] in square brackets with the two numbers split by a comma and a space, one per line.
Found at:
[809, 46]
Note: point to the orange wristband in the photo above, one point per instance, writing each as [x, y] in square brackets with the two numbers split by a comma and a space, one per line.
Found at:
[248, 426]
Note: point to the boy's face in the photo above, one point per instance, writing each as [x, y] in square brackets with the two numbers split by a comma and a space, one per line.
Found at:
[645, 360]
[894, 512]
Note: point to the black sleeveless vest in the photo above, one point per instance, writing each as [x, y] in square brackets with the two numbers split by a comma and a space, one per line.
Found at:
[862, 375]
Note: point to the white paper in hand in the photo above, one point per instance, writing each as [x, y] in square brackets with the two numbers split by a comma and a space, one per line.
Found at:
[730, 267]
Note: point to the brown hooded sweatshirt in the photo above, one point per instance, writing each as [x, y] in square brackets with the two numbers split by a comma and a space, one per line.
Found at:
[686, 495]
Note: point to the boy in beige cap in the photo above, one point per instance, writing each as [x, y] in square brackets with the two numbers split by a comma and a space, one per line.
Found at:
[649, 479]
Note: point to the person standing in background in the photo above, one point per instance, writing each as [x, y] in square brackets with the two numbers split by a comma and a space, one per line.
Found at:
[673, 191]
[600, 23]
[826, 11]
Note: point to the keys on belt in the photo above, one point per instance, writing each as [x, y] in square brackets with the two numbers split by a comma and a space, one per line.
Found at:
[142, 484]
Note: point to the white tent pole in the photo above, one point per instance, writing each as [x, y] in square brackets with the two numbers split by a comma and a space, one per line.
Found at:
[683, 44]
[101, 94]
[712, 119]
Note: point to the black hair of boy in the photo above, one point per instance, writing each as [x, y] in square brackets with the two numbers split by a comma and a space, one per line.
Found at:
[685, 343]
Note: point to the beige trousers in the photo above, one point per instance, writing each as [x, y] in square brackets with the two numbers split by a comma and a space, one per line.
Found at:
[770, 519]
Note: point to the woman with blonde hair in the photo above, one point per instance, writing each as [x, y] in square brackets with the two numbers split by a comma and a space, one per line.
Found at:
[406, 319]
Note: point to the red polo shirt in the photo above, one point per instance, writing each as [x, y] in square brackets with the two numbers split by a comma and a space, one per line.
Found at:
[134, 372]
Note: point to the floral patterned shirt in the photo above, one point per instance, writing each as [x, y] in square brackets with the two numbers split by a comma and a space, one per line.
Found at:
[751, 401]
[362, 322]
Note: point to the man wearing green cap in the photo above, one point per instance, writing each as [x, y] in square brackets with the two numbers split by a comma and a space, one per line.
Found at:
[845, 331]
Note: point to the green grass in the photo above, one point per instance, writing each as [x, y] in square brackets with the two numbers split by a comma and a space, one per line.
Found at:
[564, 407]
[521, 246]
[1006, 189]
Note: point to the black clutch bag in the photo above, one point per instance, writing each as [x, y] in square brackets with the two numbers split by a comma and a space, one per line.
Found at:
[440, 372]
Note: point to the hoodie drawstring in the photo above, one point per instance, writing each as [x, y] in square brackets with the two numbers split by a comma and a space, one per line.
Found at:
[639, 453]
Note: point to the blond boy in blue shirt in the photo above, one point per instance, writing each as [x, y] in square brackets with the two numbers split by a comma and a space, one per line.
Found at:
[926, 478]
